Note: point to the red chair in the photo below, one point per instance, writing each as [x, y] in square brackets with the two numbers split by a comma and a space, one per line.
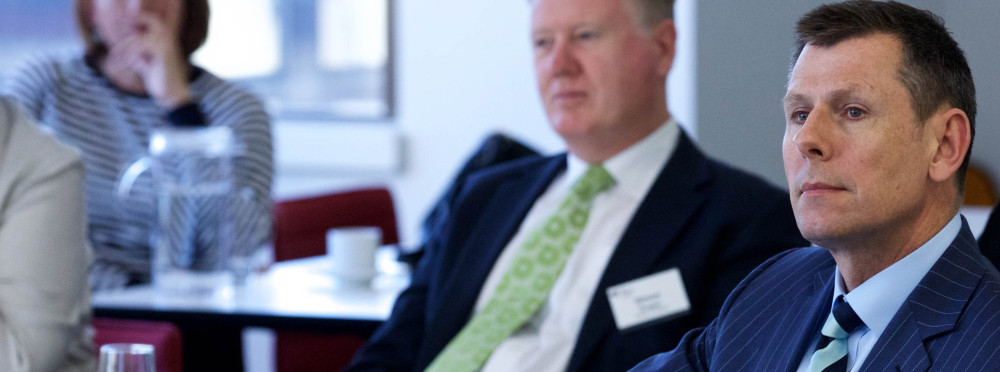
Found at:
[164, 336]
[300, 227]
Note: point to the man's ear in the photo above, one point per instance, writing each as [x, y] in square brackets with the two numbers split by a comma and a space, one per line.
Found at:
[953, 135]
[665, 37]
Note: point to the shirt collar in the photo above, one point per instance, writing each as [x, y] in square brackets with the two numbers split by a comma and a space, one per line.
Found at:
[887, 290]
[636, 167]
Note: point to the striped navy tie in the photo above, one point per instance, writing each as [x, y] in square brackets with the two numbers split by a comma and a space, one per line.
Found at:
[831, 353]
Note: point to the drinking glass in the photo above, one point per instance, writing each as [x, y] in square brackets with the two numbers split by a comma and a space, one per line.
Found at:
[127, 358]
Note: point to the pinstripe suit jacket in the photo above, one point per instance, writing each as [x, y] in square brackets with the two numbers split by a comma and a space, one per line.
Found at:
[950, 322]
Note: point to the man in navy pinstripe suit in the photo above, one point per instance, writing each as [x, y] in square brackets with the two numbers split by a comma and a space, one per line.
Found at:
[880, 116]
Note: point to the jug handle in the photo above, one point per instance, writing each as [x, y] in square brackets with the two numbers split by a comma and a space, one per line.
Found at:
[127, 180]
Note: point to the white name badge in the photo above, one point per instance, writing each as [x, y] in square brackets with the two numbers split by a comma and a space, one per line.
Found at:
[648, 299]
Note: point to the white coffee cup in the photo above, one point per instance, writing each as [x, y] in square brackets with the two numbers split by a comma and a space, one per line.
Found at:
[351, 251]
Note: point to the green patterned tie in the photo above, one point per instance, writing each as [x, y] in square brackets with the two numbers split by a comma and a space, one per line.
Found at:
[527, 282]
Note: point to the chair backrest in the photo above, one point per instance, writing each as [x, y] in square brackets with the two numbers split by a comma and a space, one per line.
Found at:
[164, 336]
[300, 225]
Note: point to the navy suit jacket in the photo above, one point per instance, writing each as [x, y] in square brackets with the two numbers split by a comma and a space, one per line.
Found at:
[713, 222]
[950, 322]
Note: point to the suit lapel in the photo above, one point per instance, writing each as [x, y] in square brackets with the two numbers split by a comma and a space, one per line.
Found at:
[931, 310]
[498, 221]
[815, 300]
[775, 332]
[669, 204]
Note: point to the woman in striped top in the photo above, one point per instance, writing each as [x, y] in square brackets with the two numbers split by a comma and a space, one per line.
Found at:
[135, 76]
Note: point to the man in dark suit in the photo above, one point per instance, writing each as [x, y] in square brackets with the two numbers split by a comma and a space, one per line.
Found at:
[880, 113]
[653, 255]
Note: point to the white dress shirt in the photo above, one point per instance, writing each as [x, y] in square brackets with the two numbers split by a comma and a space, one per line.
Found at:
[546, 341]
[887, 290]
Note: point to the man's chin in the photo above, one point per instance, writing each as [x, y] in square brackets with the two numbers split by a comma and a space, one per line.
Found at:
[820, 233]
[574, 130]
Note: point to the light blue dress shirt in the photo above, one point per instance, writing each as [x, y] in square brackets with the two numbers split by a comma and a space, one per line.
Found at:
[887, 290]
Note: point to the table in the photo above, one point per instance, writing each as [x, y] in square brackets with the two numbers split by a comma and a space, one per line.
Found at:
[299, 295]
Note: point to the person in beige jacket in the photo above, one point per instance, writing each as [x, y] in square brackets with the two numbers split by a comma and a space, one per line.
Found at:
[44, 257]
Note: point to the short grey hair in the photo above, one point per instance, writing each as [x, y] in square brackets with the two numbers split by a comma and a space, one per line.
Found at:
[651, 12]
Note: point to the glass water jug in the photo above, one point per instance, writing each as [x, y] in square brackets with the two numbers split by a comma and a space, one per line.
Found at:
[192, 238]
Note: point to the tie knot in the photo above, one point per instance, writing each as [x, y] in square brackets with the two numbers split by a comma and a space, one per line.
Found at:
[593, 182]
[843, 320]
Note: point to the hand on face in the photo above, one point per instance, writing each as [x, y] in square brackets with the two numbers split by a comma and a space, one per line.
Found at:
[153, 52]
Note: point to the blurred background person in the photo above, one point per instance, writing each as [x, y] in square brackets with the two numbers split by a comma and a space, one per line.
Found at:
[44, 297]
[135, 76]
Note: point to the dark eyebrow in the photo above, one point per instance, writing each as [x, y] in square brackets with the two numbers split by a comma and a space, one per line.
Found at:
[839, 95]
[793, 98]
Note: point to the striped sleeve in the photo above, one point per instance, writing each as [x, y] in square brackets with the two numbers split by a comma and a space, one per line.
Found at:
[30, 82]
[253, 168]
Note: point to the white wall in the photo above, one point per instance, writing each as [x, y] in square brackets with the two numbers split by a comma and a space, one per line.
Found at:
[463, 70]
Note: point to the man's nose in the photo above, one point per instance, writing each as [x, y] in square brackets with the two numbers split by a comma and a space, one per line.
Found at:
[812, 138]
[562, 60]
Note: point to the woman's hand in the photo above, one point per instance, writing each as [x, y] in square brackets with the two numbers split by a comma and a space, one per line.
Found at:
[154, 53]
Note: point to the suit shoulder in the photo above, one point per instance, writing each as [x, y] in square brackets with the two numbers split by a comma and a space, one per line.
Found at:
[811, 258]
[976, 335]
[527, 173]
[788, 265]
[731, 188]
[990, 289]
[527, 166]
[744, 196]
